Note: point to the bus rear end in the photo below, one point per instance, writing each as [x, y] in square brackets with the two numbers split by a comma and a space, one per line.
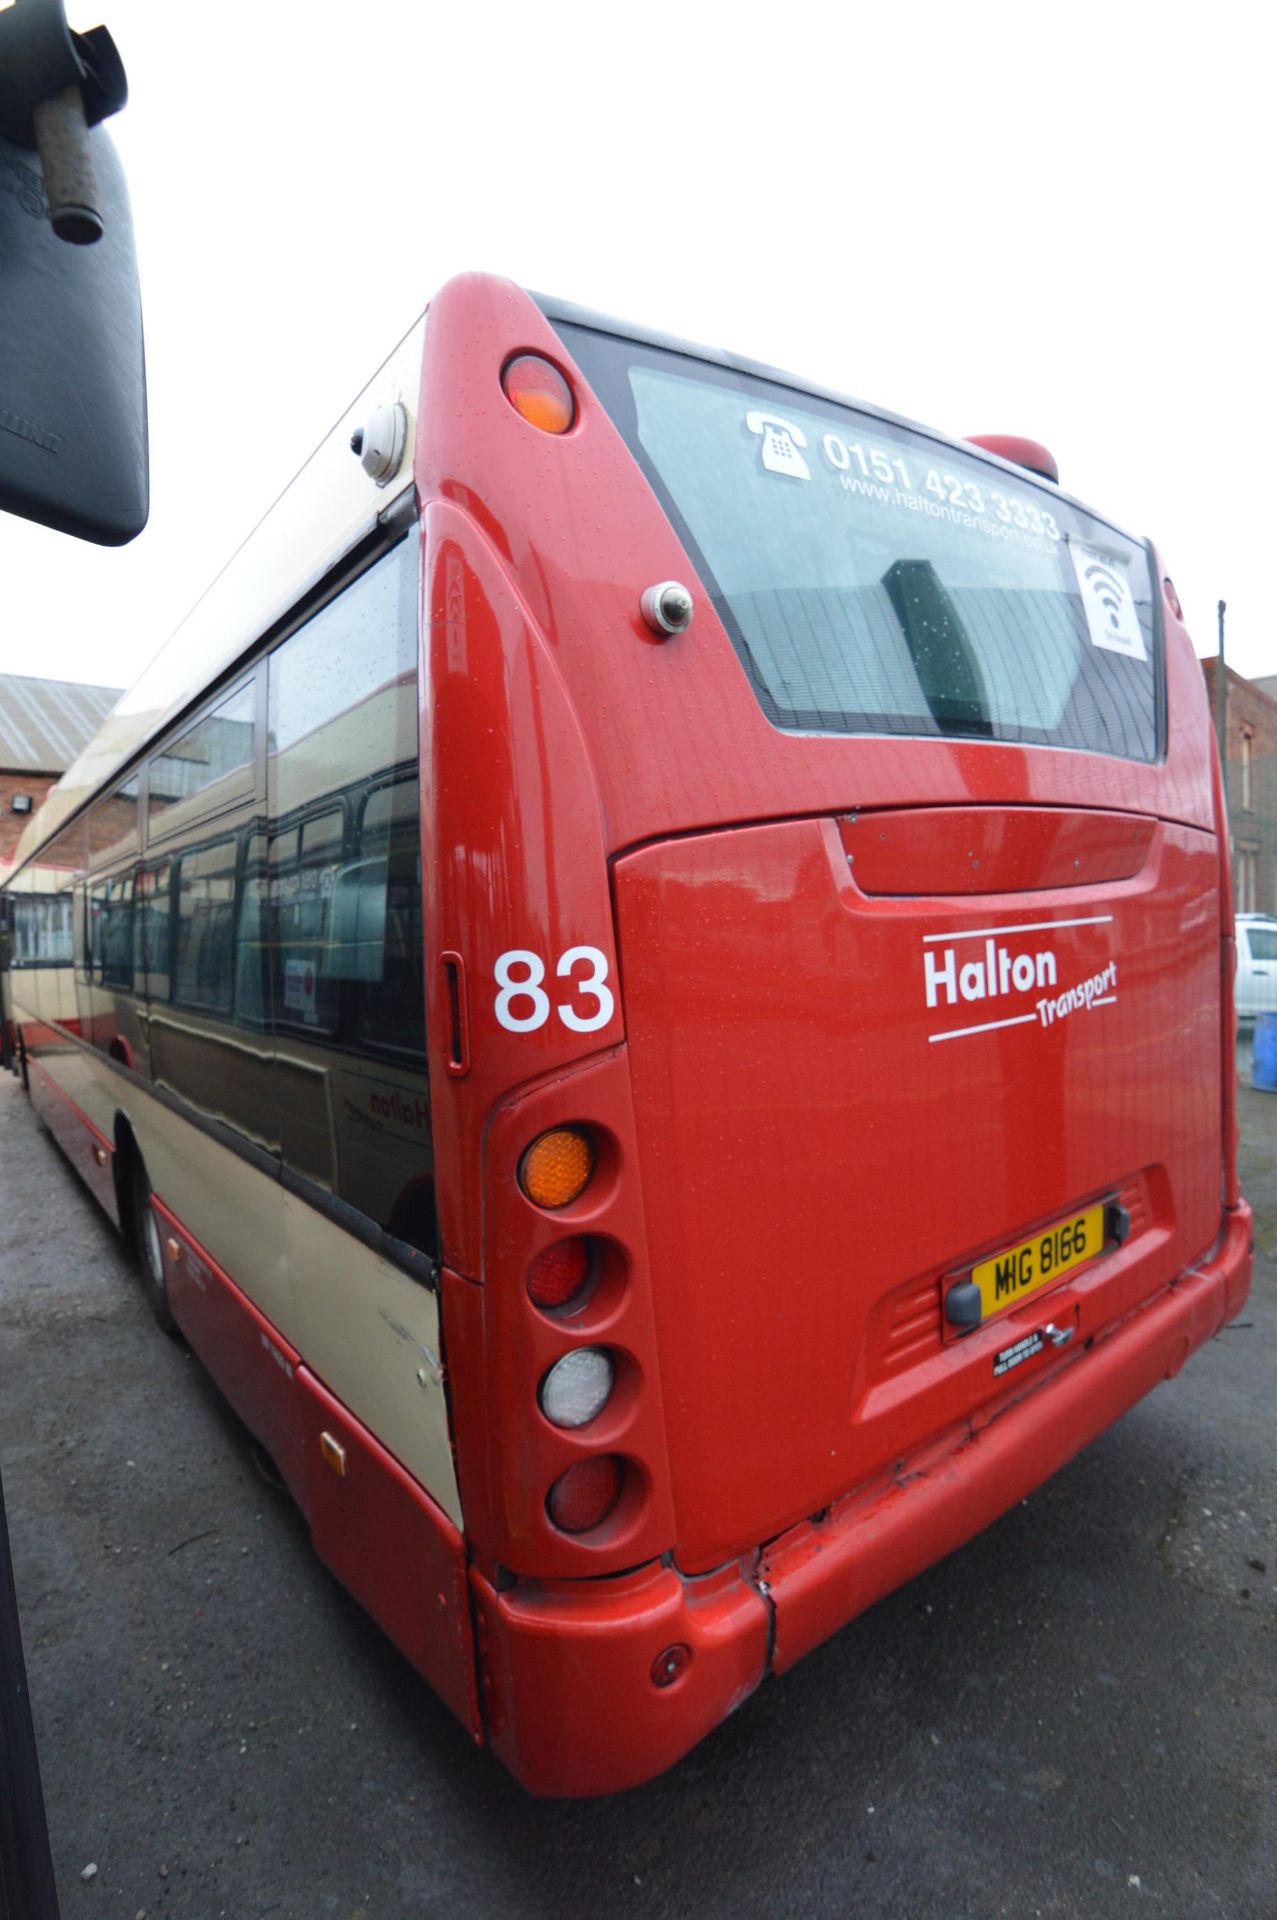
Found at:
[831, 1049]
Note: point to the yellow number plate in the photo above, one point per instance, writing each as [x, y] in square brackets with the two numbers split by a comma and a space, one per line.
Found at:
[1034, 1263]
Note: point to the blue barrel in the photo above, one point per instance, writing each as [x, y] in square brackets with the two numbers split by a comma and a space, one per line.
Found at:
[1263, 1060]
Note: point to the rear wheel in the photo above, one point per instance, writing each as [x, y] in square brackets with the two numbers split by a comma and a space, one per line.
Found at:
[150, 1247]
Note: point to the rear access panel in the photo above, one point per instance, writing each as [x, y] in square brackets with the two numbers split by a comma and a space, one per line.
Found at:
[390, 1545]
[847, 1100]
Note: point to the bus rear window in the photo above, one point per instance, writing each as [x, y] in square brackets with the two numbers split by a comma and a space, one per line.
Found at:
[874, 580]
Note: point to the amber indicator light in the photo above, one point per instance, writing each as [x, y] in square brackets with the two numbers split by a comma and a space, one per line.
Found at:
[557, 1167]
[537, 390]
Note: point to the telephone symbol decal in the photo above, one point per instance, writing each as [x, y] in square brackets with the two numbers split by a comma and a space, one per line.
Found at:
[781, 441]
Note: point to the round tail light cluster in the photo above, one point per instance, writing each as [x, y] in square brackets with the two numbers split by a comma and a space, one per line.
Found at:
[577, 1387]
[583, 1497]
[554, 1171]
[557, 1167]
[559, 1273]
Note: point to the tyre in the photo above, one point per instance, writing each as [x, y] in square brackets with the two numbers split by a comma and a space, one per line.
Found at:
[150, 1247]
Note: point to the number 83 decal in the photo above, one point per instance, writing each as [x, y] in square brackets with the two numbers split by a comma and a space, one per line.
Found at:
[522, 1004]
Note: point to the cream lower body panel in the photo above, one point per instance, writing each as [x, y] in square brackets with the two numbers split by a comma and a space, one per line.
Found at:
[367, 1330]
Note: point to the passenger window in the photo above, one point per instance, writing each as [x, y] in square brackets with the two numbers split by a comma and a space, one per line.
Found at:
[211, 758]
[381, 900]
[151, 932]
[42, 934]
[252, 984]
[113, 822]
[110, 933]
[343, 894]
[205, 922]
[303, 868]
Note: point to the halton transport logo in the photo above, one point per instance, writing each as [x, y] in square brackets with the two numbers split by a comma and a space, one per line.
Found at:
[1019, 984]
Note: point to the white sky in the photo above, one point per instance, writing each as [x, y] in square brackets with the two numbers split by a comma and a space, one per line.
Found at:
[1036, 219]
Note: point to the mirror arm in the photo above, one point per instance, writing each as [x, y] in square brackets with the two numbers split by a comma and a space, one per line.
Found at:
[54, 86]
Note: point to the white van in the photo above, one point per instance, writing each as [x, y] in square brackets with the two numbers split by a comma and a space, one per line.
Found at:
[1256, 966]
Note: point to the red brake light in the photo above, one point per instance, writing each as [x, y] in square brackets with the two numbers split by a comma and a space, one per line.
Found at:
[559, 1272]
[537, 390]
[585, 1495]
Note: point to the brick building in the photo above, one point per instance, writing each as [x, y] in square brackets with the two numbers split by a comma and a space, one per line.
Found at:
[44, 724]
[1251, 775]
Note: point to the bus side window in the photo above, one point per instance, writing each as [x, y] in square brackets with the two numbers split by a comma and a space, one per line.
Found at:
[252, 949]
[42, 931]
[151, 933]
[304, 863]
[346, 979]
[386, 881]
[205, 916]
[112, 823]
[208, 767]
[111, 932]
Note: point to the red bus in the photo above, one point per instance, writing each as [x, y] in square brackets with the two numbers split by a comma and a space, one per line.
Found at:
[653, 972]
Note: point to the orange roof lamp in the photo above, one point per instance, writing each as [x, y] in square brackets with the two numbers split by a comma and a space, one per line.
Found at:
[1030, 454]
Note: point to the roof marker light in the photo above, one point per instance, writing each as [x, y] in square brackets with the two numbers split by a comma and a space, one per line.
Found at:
[1029, 454]
[539, 393]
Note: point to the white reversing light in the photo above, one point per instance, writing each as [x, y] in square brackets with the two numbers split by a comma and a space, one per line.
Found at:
[577, 1387]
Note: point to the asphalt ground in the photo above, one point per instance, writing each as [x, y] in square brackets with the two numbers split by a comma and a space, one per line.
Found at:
[1076, 1715]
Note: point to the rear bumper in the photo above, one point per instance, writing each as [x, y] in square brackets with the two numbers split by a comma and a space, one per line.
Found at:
[574, 1677]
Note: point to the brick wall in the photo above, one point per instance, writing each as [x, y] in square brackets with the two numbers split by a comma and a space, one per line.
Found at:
[1251, 778]
[11, 823]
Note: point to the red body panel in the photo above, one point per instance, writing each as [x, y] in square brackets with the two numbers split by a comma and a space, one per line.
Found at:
[513, 849]
[570, 1697]
[252, 1363]
[814, 1164]
[821, 1575]
[89, 1151]
[947, 850]
[389, 1543]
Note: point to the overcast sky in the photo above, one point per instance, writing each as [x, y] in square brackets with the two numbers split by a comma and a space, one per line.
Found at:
[1044, 220]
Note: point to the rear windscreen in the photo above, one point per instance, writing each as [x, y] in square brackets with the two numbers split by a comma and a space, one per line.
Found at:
[874, 580]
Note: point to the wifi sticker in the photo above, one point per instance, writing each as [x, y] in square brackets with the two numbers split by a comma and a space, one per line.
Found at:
[1107, 600]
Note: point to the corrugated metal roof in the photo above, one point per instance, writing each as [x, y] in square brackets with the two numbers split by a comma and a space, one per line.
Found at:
[45, 724]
